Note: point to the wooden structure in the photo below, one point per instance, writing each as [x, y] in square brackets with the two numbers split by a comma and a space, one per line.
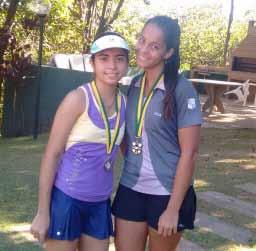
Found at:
[242, 64]
[205, 71]
[243, 58]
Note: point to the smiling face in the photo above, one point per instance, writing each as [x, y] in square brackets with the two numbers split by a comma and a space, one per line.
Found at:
[110, 65]
[151, 48]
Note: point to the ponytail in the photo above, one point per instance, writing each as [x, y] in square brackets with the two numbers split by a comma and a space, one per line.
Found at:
[171, 32]
[171, 76]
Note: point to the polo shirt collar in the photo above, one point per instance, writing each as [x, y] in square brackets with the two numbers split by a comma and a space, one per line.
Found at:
[160, 84]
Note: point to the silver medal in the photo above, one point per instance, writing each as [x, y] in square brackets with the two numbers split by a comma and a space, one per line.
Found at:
[108, 165]
[137, 146]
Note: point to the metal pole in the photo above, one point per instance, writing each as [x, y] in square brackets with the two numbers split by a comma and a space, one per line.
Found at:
[38, 90]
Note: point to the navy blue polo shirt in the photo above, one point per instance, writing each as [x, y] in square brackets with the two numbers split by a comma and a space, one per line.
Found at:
[162, 134]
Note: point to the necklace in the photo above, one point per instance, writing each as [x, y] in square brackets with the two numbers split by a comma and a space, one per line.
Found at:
[140, 113]
[110, 141]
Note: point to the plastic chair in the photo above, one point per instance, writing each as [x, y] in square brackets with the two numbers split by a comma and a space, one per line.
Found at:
[241, 92]
[60, 61]
[77, 62]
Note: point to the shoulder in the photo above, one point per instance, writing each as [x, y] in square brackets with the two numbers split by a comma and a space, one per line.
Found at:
[136, 79]
[74, 101]
[125, 89]
[122, 94]
[135, 83]
[184, 87]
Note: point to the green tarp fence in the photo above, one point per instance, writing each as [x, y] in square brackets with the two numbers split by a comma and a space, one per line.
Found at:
[20, 102]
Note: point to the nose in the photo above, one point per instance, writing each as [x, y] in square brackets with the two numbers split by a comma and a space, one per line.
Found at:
[112, 63]
[142, 48]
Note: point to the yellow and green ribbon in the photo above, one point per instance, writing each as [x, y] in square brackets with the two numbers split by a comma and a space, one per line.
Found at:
[110, 142]
[142, 106]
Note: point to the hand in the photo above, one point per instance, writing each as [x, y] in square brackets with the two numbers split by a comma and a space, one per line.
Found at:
[39, 227]
[168, 222]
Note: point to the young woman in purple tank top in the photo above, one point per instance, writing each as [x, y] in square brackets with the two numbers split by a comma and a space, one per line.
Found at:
[83, 222]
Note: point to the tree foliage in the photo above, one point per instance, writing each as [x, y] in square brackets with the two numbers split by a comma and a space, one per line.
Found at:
[97, 16]
[203, 36]
[70, 26]
[73, 24]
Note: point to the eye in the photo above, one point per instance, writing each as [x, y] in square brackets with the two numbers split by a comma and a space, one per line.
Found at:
[155, 47]
[121, 58]
[140, 40]
[103, 58]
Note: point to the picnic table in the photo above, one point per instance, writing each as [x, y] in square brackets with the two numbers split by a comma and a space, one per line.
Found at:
[214, 90]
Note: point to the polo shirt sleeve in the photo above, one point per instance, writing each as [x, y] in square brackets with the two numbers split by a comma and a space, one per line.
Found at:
[187, 104]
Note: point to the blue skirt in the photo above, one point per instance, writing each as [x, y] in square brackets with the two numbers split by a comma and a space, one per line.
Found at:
[70, 218]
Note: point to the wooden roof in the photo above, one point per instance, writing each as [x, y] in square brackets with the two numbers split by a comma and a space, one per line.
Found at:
[247, 48]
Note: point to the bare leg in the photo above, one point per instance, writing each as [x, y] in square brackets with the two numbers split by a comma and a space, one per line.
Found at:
[130, 235]
[88, 243]
[217, 98]
[56, 245]
[159, 243]
[177, 248]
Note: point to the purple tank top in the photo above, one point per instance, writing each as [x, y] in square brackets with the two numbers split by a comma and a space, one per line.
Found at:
[81, 173]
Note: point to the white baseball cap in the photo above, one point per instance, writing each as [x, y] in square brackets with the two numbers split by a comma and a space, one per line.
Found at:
[107, 42]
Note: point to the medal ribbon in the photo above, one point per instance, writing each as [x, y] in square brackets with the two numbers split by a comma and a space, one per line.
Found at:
[110, 143]
[142, 107]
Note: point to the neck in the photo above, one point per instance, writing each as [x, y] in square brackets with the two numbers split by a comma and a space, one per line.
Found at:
[107, 92]
[152, 75]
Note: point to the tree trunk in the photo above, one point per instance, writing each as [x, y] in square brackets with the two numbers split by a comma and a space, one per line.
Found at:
[98, 20]
[230, 20]
[103, 19]
[7, 24]
[5, 29]
[117, 11]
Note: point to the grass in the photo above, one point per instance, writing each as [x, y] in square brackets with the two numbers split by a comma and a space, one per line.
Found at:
[227, 158]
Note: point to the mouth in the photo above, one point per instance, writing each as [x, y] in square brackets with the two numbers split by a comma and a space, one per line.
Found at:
[112, 75]
[141, 58]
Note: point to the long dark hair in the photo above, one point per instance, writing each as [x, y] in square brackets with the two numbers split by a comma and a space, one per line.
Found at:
[171, 31]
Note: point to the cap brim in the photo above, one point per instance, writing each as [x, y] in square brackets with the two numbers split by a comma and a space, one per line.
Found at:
[109, 42]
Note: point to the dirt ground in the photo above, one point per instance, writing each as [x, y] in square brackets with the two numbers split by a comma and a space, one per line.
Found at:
[236, 115]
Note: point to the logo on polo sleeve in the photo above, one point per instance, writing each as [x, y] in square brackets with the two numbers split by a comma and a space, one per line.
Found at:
[191, 103]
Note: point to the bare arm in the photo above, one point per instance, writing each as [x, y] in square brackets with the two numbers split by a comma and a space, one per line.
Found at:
[189, 142]
[68, 112]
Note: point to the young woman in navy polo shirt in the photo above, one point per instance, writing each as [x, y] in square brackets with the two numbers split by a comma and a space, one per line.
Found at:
[155, 197]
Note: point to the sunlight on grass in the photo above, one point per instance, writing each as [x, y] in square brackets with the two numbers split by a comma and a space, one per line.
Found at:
[251, 225]
[201, 183]
[227, 158]
[226, 120]
[19, 238]
[23, 227]
[232, 161]
[209, 238]
[206, 155]
[218, 214]
[249, 167]
[27, 147]
[235, 248]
